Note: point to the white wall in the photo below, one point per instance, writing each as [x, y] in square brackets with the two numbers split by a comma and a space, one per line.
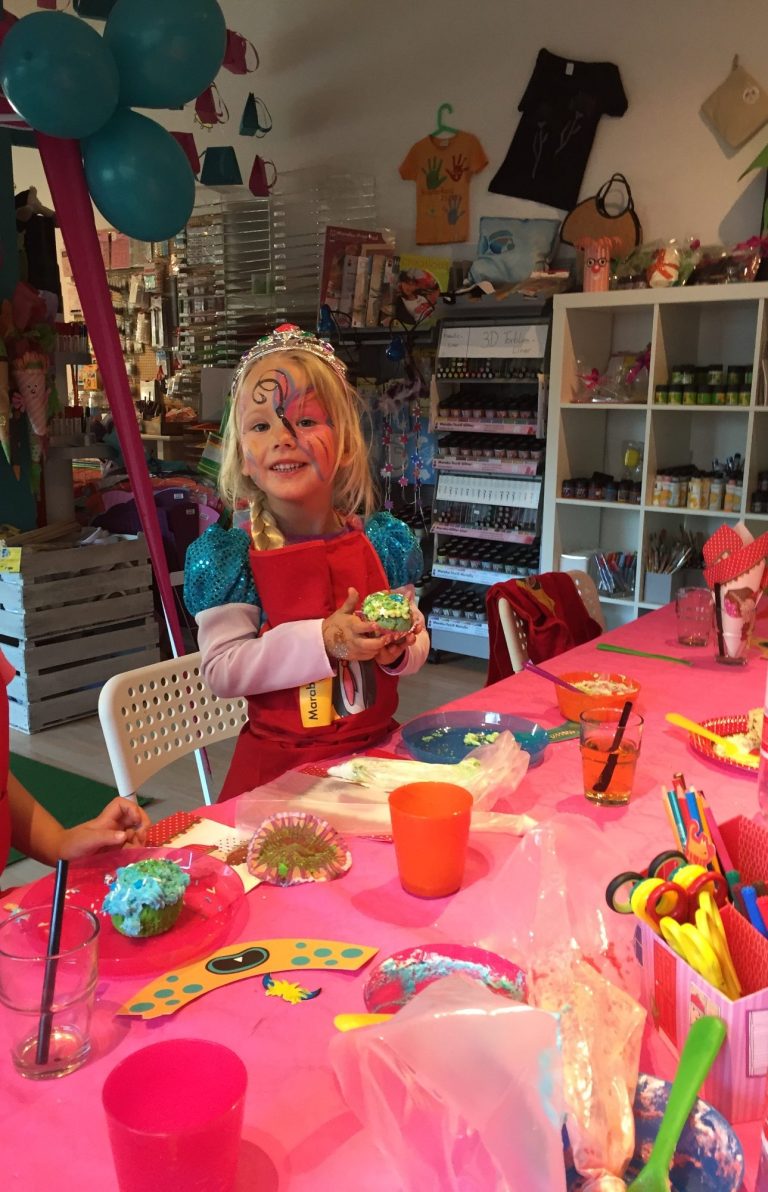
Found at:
[356, 82]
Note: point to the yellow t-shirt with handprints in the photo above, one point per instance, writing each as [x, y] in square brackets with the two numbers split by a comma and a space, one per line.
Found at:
[441, 167]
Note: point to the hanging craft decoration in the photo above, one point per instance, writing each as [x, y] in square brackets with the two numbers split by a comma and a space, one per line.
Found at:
[256, 120]
[236, 54]
[168, 993]
[138, 175]
[27, 388]
[220, 167]
[259, 184]
[591, 219]
[187, 142]
[210, 108]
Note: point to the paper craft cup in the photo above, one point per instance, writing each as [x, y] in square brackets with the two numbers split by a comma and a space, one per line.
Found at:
[430, 830]
[175, 1116]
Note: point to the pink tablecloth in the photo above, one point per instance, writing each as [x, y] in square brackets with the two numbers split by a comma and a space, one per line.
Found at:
[299, 1135]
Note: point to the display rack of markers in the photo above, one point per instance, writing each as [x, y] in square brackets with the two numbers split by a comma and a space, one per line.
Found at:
[488, 407]
[489, 369]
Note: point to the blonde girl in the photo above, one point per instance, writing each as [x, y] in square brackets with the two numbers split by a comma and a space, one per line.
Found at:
[276, 605]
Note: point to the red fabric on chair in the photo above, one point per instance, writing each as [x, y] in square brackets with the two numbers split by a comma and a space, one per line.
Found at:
[552, 612]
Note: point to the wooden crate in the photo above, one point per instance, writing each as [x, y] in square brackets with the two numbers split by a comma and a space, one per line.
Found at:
[69, 620]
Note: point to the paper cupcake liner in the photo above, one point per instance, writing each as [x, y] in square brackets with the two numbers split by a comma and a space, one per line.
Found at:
[293, 846]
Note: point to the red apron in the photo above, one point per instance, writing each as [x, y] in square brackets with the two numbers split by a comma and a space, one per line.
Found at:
[6, 674]
[331, 717]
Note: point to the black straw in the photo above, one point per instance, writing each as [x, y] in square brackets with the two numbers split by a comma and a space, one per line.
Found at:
[51, 962]
[719, 622]
[607, 774]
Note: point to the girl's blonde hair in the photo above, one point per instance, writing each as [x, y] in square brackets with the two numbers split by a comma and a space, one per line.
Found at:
[353, 486]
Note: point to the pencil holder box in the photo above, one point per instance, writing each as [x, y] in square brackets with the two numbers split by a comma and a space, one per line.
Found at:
[675, 994]
[661, 586]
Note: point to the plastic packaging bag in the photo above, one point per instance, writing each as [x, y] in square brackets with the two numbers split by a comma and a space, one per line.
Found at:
[352, 809]
[461, 1089]
[488, 772]
[601, 1030]
[576, 954]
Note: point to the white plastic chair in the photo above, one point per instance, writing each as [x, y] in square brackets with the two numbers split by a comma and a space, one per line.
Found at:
[514, 630]
[155, 714]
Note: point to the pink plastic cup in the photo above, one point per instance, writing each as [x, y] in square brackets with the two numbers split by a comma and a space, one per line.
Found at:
[175, 1116]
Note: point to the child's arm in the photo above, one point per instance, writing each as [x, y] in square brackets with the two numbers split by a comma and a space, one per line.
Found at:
[237, 662]
[412, 653]
[36, 833]
[219, 592]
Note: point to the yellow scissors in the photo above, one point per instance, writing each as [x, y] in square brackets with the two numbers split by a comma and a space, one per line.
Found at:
[694, 948]
[710, 925]
[704, 946]
[668, 907]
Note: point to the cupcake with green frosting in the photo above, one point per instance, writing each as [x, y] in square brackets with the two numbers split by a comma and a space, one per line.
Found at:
[390, 610]
[146, 898]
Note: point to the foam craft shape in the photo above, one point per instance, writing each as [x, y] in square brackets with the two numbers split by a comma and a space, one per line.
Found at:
[168, 993]
[64, 170]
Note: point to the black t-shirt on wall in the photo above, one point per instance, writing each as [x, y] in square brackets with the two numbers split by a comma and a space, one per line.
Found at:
[561, 107]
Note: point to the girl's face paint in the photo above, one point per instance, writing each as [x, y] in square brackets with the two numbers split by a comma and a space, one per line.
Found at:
[288, 442]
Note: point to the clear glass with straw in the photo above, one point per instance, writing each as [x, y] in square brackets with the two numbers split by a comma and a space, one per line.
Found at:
[48, 971]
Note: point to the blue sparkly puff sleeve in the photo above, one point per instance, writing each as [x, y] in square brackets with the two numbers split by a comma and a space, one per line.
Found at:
[397, 547]
[217, 571]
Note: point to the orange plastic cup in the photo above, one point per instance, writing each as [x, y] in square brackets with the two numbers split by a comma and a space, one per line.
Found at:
[430, 829]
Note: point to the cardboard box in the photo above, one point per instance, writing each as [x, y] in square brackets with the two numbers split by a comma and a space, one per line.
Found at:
[675, 995]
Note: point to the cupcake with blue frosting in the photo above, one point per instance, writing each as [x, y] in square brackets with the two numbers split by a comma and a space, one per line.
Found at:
[146, 898]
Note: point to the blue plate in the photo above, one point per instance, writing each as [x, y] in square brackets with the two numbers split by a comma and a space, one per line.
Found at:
[439, 736]
[708, 1157]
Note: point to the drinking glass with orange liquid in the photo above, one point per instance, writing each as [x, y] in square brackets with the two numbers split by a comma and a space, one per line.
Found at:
[609, 755]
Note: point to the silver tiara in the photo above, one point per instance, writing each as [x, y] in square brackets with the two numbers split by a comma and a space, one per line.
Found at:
[289, 338]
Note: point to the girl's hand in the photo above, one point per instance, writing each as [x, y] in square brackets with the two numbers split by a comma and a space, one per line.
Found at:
[121, 822]
[393, 650]
[347, 637]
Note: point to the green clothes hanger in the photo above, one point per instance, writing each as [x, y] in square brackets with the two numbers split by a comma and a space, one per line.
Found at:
[444, 129]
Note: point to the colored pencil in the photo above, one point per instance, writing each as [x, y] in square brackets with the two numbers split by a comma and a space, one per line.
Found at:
[722, 852]
[678, 828]
[685, 815]
[753, 910]
[705, 823]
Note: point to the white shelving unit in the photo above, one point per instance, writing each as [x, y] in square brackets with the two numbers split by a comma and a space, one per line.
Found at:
[489, 396]
[700, 325]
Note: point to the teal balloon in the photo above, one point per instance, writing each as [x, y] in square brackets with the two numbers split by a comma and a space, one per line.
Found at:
[139, 177]
[167, 51]
[58, 74]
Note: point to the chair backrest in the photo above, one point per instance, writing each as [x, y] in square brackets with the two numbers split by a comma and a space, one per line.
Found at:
[155, 714]
[587, 589]
[514, 630]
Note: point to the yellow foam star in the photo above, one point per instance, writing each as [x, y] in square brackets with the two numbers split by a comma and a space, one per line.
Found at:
[289, 991]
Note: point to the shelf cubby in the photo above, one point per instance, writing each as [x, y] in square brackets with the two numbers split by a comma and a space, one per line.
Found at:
[700, 326]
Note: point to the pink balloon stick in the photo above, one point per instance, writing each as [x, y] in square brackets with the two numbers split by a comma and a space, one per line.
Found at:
[64, 170]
